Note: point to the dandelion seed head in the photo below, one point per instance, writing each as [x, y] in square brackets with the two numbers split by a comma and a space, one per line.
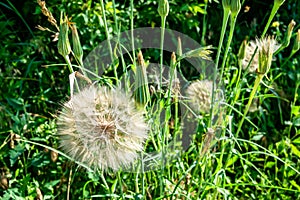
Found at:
[102, 128]
[199, 94]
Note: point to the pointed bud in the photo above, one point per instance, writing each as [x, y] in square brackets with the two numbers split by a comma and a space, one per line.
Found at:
[226, 4]
[77, 49]
[288, 35]
[163, 8]
[242, 50]
[141, 92]
[63, 45]
[173, 59]
[266, 47]
[279, 2]
[235, 7]
[296, 46]
[179, 47]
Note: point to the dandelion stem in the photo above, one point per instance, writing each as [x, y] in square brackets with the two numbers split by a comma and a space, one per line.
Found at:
[108, 38]
[232, 27]
[162, 36]
[275, 8]
[121, 185]
[252, 94]
[67, 59]
[131, 31]
[223, 30]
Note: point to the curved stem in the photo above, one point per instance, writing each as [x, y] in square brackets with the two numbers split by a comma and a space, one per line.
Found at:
[232, 26]
[224, 25]
[162, 37]
[252, 94]
[275, 8]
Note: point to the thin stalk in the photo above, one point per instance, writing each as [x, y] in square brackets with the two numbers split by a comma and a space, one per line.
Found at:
[275, 8]
[67, 59]
[108, 38]
[252, 94]
[204, 23]
[223, 30]
[162, 38]
[232, 27]
[121, 185]
[131, 31]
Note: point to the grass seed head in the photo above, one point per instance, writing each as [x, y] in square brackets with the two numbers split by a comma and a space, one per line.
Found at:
[101, 128]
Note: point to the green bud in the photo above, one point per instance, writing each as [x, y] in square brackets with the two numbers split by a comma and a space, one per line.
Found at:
[296, 46]
[77, 49]
[266, 48]
[63, 45]
[141, 92]
[226, 4]
[179, 47]
[279, 2]
[163, 8]
[242, 50]
[235, 7]
[288, 35]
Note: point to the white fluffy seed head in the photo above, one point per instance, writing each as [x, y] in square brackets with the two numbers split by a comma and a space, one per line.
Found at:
[250, 48]
[199, 94]
[102, 128]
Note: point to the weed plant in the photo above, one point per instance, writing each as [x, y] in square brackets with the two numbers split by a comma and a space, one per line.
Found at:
[246, 142]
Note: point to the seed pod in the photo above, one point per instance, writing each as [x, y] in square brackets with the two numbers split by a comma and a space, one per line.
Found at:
[63, 45]
[163, 8]
[77, 48]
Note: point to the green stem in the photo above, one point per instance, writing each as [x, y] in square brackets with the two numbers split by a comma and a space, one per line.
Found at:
[204, 23]
[252, 94]
[162, 37]
[223, 30]
[232, 26]
[120, 183]
[275, 8]
[131, 31]
[108, 38]
[67, 59]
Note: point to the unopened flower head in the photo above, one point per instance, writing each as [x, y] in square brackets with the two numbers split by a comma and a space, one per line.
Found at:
[265, 46]
[102, 128]
[199, 94]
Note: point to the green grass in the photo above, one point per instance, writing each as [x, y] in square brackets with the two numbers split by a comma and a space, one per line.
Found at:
[250, 155]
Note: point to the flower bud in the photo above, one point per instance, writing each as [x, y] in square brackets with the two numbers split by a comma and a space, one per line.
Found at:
[279, 2]
[242, 50]
[288, 35]
[77, 49]
[296, 46]
[141, 92]
[266, 48]
[63, 45]
[235, 7]
[226, 4]
[163, 8]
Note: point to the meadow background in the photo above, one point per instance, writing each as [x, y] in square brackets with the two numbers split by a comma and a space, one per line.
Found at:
[261, 162]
